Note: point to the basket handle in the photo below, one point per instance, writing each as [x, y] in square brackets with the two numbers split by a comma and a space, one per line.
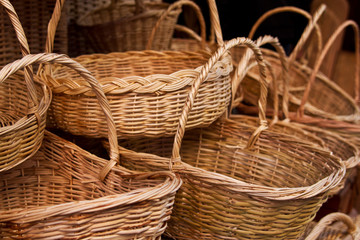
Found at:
[329, 219]
[43, 58]
[175, 5]
[24, 46]
[205, 69]
[319, 61]
[307, 32]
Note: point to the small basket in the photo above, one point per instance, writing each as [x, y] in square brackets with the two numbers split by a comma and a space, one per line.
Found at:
[146, 90]
[126, 25]
[238, 183]
[66, 192]
[24, 104]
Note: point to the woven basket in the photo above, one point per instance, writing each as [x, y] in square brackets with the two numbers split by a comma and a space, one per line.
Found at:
[125, 25]
[146, 91]
[24, 104]
[34, 16]
[239, 184]
[344, 228]
[65, 192]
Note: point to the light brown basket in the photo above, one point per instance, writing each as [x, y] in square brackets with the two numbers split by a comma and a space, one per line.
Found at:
[125, 25]
[34, 16]
[238, 183]
[65, 192]
[24, 104]
[146, 90]
[334, 226]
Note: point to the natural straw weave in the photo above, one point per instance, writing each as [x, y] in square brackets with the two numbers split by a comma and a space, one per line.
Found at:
[346, 228]
[240, 181]
[126, 25]
[57, 194]
[146, 91]
[23, 105]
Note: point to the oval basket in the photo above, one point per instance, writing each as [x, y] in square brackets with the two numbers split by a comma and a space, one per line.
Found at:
[65, 192]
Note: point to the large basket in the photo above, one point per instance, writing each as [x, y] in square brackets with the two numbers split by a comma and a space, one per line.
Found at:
[64, 192]
[146, 90]
[238, 183]
[34, 16]
[24, 104]
[125, 25]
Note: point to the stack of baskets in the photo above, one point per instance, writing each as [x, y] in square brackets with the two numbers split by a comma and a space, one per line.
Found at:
[185, 166]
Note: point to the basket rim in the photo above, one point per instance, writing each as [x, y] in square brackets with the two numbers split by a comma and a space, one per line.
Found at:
[172, 183]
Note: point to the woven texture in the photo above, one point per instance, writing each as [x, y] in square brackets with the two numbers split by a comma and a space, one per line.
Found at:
[123, 26]
[240, 181]
[34, 16]
[65, 192]
[23, 106]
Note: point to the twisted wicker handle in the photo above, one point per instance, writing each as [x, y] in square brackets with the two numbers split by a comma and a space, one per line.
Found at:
[244, 66]
[202, 77]
[179, 4]
[103, 102]
[319, 61]
[329, 219]
[306, 34]
[24, 46]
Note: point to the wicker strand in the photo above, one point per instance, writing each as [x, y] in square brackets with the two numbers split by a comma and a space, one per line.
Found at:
[179, 4]
[202, 76]
[24, 46]
[319, 61]
[62, 59]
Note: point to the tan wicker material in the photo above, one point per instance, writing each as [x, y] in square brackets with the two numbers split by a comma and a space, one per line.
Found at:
[125, 25]
[57, 194]
[333, 226]
[34, 16]
[24, 104]
[146, 90]
[238, 183]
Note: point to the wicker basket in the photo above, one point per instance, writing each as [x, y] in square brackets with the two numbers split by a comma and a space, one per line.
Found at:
[239, 184]
[146, 90]
[57, 194]
[34, 16]
[333, 226]
[24, 104]
[125, 25]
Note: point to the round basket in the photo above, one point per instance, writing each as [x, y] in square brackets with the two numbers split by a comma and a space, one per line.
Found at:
[240, 181]
[126, 25]
[146, 91]
[65, 192]
[23, 106]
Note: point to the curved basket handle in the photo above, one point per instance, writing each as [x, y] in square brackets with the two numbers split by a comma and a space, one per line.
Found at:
[215, 22]
[329, 219]
[179, 4]
[24, 46]
[202, 77]
[307, 32]
[43, 58]
[319, 61]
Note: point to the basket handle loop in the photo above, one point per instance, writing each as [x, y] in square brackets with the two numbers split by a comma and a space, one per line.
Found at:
[51, 58]
[319, 61]
[179, 4]
[24, 46]
[307, 32]
[205, 69]
[328, 220]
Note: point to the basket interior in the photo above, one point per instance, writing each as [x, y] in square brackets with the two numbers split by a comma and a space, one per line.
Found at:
[120, 65]
[277, 160]
[60, 173]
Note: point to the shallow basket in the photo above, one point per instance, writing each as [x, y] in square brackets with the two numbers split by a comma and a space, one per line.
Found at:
[65, 192]
[126, 25]
[146, 91]
[240, 181]
[23, 107]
